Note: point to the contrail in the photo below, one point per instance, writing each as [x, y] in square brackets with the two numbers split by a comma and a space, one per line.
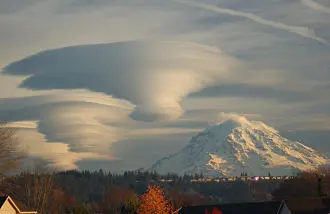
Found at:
[302, 31]
[316, 6]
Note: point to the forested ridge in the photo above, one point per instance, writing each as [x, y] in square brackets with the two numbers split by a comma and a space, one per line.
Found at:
[91, 186]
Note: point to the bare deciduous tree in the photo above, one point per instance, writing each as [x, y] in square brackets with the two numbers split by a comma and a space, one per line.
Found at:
[37, 188]
[32, 187]
[10, 156]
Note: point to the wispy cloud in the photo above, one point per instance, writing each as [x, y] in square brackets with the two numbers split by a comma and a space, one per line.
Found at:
[302, 31]
[316, 6]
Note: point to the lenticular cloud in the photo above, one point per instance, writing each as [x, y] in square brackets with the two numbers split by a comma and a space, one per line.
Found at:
[154, 76]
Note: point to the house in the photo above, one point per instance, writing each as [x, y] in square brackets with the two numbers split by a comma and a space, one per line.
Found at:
[8, 206]
[316, 205]
[269, 207]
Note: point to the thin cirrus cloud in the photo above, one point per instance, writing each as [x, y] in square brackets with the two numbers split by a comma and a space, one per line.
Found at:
[254, 91]
[301, 31]
[154, 76]
[316, 6]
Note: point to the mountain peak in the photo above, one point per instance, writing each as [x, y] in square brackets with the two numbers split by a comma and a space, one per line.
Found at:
[236, 144]
[238, 123]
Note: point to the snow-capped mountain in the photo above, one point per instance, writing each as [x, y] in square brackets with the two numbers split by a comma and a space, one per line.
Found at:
[238, 145]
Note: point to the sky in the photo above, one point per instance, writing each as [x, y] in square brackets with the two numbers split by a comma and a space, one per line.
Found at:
[120, 84]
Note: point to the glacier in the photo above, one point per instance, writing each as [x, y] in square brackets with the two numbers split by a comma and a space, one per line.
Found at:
[237, 145]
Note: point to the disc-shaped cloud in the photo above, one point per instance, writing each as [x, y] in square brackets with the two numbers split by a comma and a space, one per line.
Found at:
[65, 127]
[154, 76]
[85, 121]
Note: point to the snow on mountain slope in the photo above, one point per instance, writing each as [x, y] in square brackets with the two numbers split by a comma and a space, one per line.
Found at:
[238, 145]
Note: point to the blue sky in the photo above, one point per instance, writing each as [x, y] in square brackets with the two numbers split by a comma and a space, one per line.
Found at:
[120, 84]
